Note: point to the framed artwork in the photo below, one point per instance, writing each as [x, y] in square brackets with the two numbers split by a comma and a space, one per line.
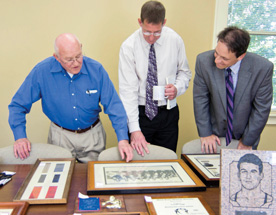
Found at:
[206, 166]
[48, 182]
[119, 177]
[13, 208]
[178, 205]
[248, 182]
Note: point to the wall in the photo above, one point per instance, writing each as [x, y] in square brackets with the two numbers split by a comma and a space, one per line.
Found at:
[28, 29]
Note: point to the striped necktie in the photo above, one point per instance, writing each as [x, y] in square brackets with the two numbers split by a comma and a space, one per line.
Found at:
[151, 107]
[230, 105]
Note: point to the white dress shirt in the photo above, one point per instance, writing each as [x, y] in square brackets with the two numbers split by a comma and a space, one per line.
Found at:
[133, 68]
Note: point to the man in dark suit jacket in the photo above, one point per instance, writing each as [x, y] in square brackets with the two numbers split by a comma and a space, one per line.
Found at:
[252, 80]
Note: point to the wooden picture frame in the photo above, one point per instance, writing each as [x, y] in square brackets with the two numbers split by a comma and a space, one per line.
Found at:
[248, 182]
[14, 208]
[48, 182]
[206, 167]
[178, 205]
[147, 176]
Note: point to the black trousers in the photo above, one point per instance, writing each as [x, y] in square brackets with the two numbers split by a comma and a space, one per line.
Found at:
[163, 129]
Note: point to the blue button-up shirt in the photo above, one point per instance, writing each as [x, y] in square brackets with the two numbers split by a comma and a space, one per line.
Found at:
[72, 103]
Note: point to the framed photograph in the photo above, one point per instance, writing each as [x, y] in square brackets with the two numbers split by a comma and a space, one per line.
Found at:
[48, 182]
[147, 176]
[248, 182]
[177, 205]
[13, 208]
[206, 166]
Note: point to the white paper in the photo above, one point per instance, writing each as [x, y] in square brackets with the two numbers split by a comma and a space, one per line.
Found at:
[170, 103]
[82, 196]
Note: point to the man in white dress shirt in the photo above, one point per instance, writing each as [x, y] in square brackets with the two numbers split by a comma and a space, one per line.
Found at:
[171, 63]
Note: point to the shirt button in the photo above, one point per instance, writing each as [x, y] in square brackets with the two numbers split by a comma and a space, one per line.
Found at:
[71, 81]
[74, 107]
[73, 94]
[76, 119]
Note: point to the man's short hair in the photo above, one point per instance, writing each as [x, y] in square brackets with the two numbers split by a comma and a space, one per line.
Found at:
[237, 40]
[251, 158]
[153, 11]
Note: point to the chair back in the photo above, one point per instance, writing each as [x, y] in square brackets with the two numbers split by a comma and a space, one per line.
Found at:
[194, 146]
[38, 150]
[156, 153]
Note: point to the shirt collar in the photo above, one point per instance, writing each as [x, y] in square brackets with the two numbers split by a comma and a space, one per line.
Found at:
[236, 67]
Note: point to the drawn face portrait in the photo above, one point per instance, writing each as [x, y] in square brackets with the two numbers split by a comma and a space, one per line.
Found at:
[250, 175]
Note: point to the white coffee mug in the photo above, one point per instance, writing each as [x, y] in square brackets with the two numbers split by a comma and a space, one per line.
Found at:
[159, 93]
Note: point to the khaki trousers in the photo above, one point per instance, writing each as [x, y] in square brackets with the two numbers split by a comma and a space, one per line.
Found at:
[85, 146]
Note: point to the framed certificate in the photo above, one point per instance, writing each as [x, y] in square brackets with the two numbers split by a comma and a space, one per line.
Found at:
[177, 205]
[13, 208]
[206, 166]
[48, 182]
[119, 177]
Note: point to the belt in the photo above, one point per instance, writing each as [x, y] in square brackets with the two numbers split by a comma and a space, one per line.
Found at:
[159, 107]
[80, 130]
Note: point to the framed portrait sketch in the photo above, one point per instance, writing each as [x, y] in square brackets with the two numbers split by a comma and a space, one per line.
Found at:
[248, 182]
[48, 182]
[13, 208]
[178, 205]
[206, 166]
[119, 177]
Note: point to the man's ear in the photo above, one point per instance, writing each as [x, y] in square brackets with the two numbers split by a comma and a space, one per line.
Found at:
[242, 56]
[165, 20]
[55, 55]
[140, 22]
[262, 175]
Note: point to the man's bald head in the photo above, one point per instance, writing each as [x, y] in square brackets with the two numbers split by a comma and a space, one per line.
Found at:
[66, 41]
[68, 52]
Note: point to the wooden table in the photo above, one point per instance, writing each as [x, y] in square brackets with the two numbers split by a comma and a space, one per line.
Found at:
[133, 202]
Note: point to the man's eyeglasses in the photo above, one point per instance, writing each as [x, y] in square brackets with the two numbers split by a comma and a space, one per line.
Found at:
[156, 34]
[71, 61]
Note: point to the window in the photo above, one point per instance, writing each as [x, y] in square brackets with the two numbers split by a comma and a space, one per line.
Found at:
[258, 17]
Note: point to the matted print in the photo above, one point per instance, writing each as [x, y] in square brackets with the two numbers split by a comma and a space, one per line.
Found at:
[248, 182]
[105, 177]
[206, 166]
[48, 182]
[178, 205]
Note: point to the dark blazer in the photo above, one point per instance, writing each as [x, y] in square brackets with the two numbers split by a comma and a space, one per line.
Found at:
[252, 99]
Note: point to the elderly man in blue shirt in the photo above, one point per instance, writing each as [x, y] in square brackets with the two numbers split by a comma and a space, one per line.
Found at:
[70, 87]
